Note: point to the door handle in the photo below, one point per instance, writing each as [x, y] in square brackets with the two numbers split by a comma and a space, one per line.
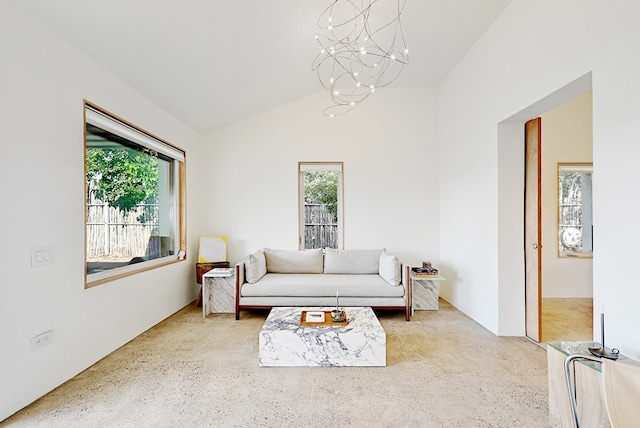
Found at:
[534, 246]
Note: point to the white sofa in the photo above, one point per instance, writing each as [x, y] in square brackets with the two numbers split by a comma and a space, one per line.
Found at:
[372, 278]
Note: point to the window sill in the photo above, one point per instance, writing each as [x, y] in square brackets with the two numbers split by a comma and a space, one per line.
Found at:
[93, 279]
[575, 256]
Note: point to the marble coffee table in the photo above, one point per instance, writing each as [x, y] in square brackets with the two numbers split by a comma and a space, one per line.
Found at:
[284, 342]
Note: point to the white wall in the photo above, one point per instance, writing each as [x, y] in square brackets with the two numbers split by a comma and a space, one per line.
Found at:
[42, 85]
[567, 136]
[616, 108]
[538, 55]
[390, 174]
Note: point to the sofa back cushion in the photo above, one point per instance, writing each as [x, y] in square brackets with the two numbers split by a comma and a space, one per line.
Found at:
[293, 261]
[352, 261]
[255, 267]
[390, 268]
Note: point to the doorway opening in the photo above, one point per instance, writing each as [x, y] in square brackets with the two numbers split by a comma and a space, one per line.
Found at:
[564, 257]
[511, 210]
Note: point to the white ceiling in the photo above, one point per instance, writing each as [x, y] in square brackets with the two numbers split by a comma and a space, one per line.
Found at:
[212, 62]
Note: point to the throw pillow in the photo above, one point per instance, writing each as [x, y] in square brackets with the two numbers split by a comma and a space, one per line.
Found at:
[352, 261]
[390, 268]
[255, 267]
[293, 261]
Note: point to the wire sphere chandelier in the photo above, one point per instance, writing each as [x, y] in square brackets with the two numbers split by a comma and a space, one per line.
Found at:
[362, 50]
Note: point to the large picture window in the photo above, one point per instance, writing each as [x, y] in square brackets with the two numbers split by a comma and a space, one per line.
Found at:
[134, 198]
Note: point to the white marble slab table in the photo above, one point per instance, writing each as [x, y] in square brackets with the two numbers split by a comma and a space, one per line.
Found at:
[425, 292]
[284, 342]
[218, 294]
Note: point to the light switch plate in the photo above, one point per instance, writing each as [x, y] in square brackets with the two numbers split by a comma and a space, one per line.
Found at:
[41, 256]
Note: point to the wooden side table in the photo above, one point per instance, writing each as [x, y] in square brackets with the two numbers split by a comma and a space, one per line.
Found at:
[425, 291]
[218, 294]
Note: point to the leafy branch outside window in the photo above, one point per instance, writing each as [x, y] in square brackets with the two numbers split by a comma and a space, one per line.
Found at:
[322, 187]
[123, 178]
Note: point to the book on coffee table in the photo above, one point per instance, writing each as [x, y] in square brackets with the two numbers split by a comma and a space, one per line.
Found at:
[314, 316]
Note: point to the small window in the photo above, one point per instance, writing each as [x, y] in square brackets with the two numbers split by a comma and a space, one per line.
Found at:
[320, 203]
[134, 198]
[575, 219]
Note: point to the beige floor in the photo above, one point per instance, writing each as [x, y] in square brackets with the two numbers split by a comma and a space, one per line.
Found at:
[443, 370]
[567, 319]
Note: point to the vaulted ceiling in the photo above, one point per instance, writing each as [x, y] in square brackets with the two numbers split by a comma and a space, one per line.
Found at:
[212, 62]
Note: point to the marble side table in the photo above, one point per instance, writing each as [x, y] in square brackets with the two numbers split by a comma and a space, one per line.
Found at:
[425, 292]
[218, 294]
[283, 342]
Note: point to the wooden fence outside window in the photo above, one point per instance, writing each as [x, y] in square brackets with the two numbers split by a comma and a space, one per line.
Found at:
[113, 235]
[320, 228]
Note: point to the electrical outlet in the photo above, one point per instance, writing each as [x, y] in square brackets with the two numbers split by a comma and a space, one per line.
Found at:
[41, 340]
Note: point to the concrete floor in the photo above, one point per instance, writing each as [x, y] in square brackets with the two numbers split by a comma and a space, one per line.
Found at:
[443, 370]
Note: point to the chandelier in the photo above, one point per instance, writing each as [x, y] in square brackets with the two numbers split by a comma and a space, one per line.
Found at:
[362, 50]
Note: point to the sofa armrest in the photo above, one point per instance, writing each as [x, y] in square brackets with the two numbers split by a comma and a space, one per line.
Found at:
[240, 278]
[406, 282]
[239, 268]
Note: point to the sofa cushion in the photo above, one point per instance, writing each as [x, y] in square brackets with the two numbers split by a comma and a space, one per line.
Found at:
[390, 268]
[293, 261]
[352, 261]
[255, 267]
[321, 285]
